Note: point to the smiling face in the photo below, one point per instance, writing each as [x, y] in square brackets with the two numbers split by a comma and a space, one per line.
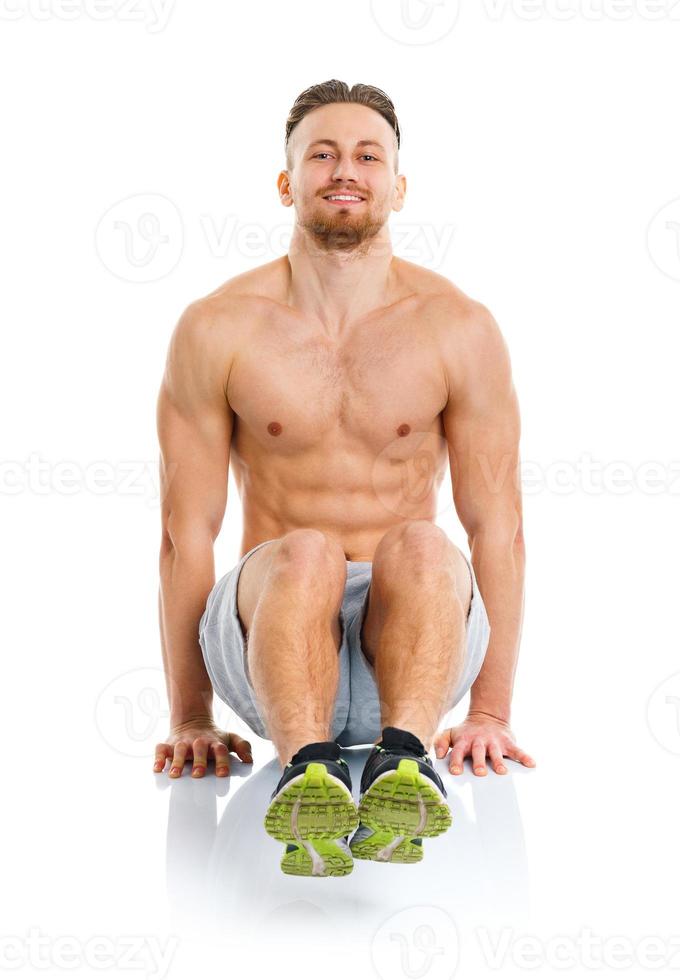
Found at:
[343, 150]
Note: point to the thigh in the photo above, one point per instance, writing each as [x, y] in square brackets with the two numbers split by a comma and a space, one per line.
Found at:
[379, 595]
[251, 580]
[254, 573]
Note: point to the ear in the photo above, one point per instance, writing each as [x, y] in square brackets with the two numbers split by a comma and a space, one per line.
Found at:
[285, 190]
[399, 192]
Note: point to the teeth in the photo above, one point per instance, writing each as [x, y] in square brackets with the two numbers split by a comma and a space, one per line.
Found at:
[343, 197]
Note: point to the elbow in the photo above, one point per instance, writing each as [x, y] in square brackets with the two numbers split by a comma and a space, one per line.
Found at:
[167, 544]
[518, 537]
[189, 540]
[503, 533]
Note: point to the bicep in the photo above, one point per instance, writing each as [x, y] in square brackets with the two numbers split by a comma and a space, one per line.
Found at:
[482, 426]
[194, 423]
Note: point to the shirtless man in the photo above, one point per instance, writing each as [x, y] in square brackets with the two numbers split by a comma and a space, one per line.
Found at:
[341, 381]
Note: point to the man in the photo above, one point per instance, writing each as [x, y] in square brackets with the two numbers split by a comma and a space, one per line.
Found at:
[340, 380]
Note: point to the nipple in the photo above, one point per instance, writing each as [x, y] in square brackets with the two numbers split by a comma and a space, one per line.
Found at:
[275, 428]
[404, 429]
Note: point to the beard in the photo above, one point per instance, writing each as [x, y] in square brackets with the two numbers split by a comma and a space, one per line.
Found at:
[341, 231]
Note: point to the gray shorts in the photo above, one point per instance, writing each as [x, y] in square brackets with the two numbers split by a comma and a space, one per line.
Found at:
[356, 716]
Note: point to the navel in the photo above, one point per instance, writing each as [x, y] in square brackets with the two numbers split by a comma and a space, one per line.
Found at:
[275, 428]
[404, 429]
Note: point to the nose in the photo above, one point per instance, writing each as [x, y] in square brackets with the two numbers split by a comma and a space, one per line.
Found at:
[345, 169]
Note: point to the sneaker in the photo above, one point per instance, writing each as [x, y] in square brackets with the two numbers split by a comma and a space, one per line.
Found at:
[402, 800]
[313, 812]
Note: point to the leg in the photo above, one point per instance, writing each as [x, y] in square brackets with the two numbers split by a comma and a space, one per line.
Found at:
[289, 599]
[414, 629]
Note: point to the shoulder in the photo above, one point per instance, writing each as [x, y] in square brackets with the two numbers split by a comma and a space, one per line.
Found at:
[443, 304]
[466, 335]
[221, 316]
[211, 330]
[233, 300]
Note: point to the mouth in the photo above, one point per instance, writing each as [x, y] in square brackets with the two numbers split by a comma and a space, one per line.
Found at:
[344, 200]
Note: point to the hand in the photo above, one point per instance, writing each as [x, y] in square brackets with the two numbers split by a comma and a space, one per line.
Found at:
[200, 739]
[481, 734]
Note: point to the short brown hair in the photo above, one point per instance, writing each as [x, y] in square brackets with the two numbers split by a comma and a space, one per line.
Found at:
[326, 93]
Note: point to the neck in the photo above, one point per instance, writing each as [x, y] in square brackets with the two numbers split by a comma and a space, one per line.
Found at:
[339, 286]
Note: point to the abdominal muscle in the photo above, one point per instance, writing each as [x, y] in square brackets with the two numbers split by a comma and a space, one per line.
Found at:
[279, 496]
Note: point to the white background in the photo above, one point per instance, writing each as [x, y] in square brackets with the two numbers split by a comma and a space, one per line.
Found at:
[541, 146]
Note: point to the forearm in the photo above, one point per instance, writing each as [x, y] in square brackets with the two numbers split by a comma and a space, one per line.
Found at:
[187, 574]
[499, 563]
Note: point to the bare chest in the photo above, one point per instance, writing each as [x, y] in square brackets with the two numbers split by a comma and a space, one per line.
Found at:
[292, 391]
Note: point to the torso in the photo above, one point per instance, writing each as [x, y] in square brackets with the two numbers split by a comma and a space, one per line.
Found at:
[346, 435]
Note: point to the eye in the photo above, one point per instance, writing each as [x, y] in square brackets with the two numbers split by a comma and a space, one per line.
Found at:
[369, 155]
[323, 153]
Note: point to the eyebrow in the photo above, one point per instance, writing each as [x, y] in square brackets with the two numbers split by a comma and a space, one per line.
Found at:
[335, 144]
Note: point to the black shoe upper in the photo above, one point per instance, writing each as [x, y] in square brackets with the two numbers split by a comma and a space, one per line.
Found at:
[326, 752]
[397, 744]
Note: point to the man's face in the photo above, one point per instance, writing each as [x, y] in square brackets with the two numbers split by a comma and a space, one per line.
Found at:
[342, 149]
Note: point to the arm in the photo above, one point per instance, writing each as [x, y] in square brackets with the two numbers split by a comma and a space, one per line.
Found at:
[482, 427]
[194, 422]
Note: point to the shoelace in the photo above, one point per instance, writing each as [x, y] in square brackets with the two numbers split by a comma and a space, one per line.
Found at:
[381, 749]
[289, 764]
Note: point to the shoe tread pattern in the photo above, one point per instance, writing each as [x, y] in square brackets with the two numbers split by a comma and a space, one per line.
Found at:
[311, 814]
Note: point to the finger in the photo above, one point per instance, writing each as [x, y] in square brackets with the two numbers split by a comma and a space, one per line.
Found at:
[161, 754]
[221, 753]
[180, 754]
[479, 757]
[496, 757]
[457, 756]
[200, 752]
[241, 747]
[514, 752]
[442, 743]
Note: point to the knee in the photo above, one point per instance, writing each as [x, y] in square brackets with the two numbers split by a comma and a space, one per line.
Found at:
[308, 551]
[417, 545]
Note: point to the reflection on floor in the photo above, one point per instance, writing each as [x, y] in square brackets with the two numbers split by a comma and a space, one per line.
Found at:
[223, 874]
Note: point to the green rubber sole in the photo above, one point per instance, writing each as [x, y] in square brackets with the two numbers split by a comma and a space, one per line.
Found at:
[386, 847]
[310, 815]
[400, 807]
[318, 858]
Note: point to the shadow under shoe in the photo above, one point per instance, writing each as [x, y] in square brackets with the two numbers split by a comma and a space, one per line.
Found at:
[403, 799]
[313, 812]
